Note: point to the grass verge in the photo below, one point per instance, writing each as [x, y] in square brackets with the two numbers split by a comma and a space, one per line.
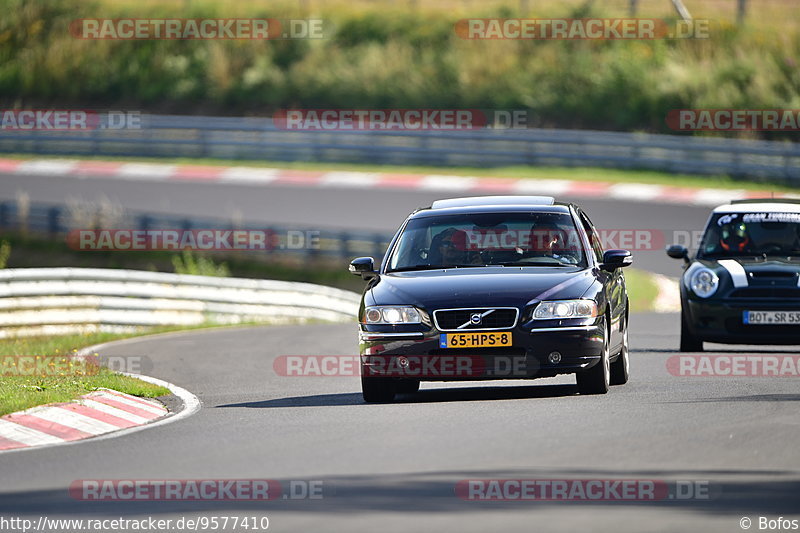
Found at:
[22, 392]
[642, 290]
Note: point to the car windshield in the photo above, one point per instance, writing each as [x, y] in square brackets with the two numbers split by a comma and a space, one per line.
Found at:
[751, 234]
[488, 239]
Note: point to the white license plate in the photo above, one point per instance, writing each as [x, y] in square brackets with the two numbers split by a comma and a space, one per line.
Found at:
[771, 318]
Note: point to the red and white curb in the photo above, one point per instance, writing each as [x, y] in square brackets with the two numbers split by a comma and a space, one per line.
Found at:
[98, 415]
[639, 192]
[92, 414]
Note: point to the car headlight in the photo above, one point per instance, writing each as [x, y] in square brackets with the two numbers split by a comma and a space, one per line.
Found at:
[394, 314]
[565, 309]
[703, 282]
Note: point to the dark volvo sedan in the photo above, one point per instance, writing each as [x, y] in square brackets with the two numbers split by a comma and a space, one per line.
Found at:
[495, 287]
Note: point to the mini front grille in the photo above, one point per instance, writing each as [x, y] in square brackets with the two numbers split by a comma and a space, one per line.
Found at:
[767, 292]
[482, 318]
[772, 274]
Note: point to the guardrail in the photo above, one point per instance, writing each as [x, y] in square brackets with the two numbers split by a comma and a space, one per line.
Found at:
[56, 221]
[259, 138]
[37, 301]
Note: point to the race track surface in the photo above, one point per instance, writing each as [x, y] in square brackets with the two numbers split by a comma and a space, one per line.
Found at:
[393, 468]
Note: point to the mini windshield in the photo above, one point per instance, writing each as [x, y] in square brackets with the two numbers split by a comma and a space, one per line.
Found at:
[493, 239]
[751, 234]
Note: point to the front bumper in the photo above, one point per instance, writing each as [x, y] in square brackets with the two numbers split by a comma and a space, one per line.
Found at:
[417, 355]
[721, 321]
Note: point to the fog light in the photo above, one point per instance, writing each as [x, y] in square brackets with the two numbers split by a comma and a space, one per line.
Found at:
[402, 361]
[554, 358]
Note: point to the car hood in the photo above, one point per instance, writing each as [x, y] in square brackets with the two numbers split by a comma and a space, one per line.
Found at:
[479, 287]
[740, 272]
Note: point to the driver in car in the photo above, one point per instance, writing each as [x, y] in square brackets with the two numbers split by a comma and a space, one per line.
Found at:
[734, 237]
[450, 248]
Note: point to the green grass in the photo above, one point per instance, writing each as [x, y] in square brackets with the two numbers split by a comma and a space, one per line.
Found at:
[642, 290]
[526, 172]
[22, 392]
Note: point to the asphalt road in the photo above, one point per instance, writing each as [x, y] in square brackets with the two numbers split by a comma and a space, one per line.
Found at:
[394, 468]
[341, 208]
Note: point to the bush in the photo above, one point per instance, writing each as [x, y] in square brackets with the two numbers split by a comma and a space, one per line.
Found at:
[385, 58]
[187, 263]
[5, 253]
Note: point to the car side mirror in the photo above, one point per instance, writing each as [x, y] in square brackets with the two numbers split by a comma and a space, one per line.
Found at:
[677, 251]
[364, 267]
[614, 259]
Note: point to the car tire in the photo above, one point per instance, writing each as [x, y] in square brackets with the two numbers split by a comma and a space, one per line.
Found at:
[597, 379]
[408, 386]
[378, 390]
[620, 369]
[689, 343]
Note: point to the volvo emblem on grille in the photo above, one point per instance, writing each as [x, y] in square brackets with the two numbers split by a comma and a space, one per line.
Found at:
[475, 319]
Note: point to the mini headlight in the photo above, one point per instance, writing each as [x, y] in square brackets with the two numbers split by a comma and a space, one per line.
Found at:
[395, 314]
[704, 282]
[565, 309]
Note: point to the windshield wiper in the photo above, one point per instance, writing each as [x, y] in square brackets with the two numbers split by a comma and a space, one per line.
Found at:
[433, 267]
[536, 263]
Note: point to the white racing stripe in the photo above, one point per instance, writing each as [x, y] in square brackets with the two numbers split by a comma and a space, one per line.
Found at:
[635, 191]
[65, 417]
[436, 182]
[149, 171]
[46, 166]
[736, 270]
[349, 179]
[119, 413]
[156, 410]
[546, 187]
[25, 435]
[248, 175]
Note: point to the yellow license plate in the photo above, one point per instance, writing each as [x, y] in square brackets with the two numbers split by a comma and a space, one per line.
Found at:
[477, 339]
